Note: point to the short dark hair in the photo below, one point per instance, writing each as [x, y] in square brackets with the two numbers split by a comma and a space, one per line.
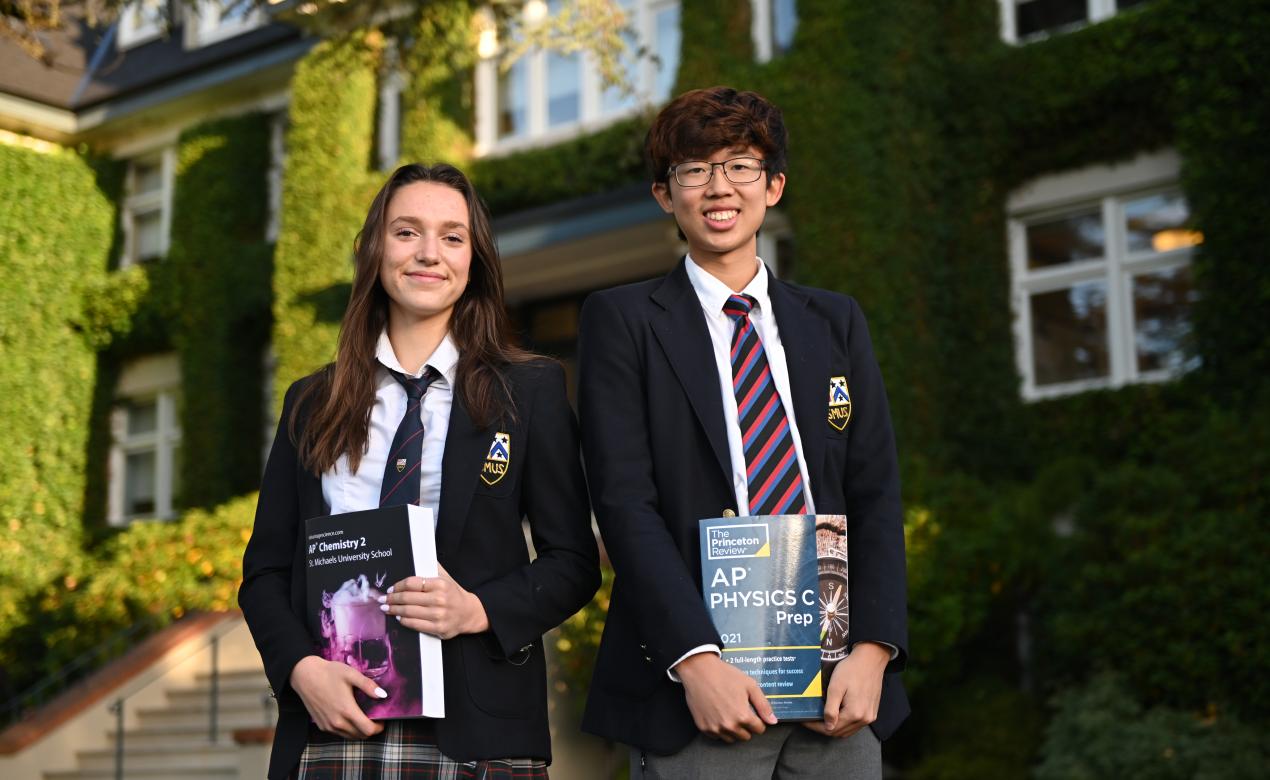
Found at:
[700, 122]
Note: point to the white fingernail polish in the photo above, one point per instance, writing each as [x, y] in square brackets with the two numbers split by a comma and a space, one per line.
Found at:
[383, 607]
[390, 588]
[381, 693]
[382, 599]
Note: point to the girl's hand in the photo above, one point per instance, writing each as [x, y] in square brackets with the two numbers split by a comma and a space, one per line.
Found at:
[326, 688]
[436, 605]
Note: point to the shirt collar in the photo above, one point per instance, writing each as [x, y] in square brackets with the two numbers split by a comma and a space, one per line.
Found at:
[713, 293]
[445, 358]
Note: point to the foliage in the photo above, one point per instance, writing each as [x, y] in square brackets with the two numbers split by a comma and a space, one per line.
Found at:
[221, 267]
[326, 190]
[588, 165]
[981, 728]
[576, 642]
[52, 249]
[437, 105]
[151, 573]
[1186, 524]
[1099, 730]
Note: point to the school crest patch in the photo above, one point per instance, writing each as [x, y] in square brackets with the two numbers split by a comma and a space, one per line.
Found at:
[839, 402]
[497, 460]
[401, 465]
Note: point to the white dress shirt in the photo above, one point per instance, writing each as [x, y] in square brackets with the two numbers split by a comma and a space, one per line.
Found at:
[353, 492]
[713, 294]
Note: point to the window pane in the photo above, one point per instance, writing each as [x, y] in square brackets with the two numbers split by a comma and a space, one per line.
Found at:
[1162, 320]
[143, 417]
[1159, 223]
[1069, 333]
[147, 176]
[616, 98]
[234, 11]
[667, 51]
[176, 475]
[138, 496]
[784, 23]
[513, 97]
[564, 88]
[1065, 240]
[1034, 16]
[147, 229]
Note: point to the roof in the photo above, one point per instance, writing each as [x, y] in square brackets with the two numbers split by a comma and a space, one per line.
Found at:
[68, 79]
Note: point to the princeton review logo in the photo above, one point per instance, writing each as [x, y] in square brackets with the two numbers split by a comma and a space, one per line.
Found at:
[839, 402]
[747, 540]
[496, 461]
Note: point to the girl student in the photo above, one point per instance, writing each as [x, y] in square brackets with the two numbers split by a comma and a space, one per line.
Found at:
[425, 333]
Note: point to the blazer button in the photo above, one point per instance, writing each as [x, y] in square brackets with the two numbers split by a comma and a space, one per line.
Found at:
[729, 513]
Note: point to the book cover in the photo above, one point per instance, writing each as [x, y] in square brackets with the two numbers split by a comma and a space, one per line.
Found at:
[352, 559]
[759, 577]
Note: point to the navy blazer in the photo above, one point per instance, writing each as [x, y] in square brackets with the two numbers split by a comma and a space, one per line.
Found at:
[495, 682]
[656, 452]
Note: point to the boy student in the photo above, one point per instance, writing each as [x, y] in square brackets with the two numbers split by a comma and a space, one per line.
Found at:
[721, 390]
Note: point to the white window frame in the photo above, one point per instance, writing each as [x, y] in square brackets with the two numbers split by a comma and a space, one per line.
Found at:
[205, 23]
[591, 114]
[391, 87]
[273, 177]
[1096, 11]
[1107, 188]
[157, 378]
[135, 28]
[144, 202]
[761, 29]
[775, 227]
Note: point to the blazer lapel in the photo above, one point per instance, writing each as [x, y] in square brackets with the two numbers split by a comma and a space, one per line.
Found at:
[465, 449]
[681, 331]
[805, 338]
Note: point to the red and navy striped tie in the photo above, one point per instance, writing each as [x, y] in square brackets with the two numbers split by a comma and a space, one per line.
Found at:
[771, 464]
[405, 456]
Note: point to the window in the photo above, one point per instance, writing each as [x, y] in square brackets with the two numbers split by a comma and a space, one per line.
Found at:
[211, 21]
[773, 24]
[145, 454]
[388, 118]
[277, 160]
[147, 207]
[1027, 20]
[1102, 287]
[548, 96]
[776, 244]
[141, 21]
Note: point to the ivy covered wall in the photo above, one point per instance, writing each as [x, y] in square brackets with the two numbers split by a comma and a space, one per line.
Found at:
[52, 249]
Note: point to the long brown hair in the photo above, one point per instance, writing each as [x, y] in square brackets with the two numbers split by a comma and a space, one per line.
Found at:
[343, 393]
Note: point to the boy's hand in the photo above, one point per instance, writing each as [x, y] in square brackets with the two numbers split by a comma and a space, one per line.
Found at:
[725, 702]
[855, 689]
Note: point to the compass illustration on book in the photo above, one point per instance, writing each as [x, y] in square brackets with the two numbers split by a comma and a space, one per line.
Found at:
[831, 549]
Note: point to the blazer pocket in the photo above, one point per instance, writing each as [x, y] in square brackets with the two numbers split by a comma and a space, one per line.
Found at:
[499, 686]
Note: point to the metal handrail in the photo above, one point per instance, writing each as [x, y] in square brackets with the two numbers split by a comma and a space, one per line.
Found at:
[72, 672]
[213, 720]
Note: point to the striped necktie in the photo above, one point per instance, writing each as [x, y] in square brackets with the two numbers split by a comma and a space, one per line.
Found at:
[771, 464]
[405, 456]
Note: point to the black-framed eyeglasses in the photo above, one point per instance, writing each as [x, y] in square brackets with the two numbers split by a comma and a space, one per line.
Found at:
[697, 173]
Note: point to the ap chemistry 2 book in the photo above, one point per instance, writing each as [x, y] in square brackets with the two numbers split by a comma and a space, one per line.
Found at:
[351, 560]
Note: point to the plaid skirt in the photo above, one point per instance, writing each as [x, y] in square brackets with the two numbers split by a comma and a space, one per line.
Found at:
[404, 750]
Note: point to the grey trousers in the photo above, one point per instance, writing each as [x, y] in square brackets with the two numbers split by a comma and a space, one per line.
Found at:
[786, 751]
